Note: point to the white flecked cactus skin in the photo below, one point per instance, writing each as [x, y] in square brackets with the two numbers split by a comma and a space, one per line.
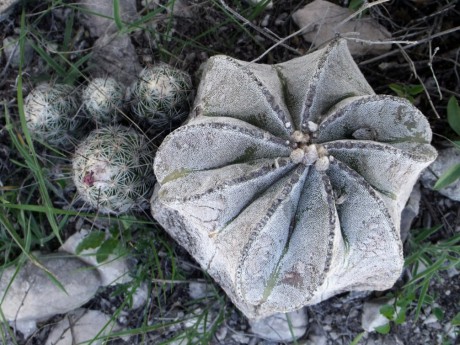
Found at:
[287, 182]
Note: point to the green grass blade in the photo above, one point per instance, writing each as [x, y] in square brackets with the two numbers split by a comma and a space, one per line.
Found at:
[450, 176]
[425, 233]
[48, 59]
[68, 31]
[30, 155]
[358, 338]
[116, 14]
[453, 114]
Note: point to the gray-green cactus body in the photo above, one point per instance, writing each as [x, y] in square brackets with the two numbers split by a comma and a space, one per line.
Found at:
[52, 114]
[103, 99]
[287, 182]
[160, 96]
[112, 170]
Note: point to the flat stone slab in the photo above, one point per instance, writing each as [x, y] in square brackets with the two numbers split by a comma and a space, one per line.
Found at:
[28, 293]
[81, 326]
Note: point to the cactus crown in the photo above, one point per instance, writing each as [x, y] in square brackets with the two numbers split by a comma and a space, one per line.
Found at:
[160, 95]
[52, 114]
[102, 98]
[113, 170]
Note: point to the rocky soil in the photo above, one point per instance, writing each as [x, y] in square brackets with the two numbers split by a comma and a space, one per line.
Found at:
[169, 299]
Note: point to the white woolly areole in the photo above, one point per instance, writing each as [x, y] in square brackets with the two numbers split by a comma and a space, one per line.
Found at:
[322, 163]
[311, 154]
[160, 85]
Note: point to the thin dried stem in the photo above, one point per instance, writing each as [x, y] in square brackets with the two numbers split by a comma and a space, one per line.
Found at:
[364, 7]
[430, 65]
[265, 33]
[393, 52]
[411, 63]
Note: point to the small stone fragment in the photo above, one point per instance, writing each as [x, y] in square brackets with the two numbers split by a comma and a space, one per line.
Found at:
[278, 328]
[81, 326]
[12, 51]
[447, 158]
[372, 318]
[140, 296]
[322, 20]
[312, 127]
[198, 290]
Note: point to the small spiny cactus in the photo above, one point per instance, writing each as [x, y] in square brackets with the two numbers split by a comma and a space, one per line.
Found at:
[52, 115]
[112, 170]
[102, 99]
[160, 95]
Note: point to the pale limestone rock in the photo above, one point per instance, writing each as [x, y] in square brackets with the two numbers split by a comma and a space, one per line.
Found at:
[447, 158]
[281, 327]
[33, 296]
[115, 56]
[114, 270]
[322, 19]
[13, 54]
[276, 231]
[98, 16]
[371, 317]
[198, 290]
[6, 6]
[81, 326]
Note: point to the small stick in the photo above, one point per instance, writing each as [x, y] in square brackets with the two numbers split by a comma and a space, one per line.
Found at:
[279, 43]
[411, 63]
[364, 7]
[430, 64]
[255, 27]
[393, 52]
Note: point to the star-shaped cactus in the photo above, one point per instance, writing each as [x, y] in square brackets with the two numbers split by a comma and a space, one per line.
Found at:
[287, 182]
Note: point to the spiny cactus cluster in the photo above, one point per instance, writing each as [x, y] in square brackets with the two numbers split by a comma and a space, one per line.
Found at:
[51, 112]
[113, 170]
[161, 95]
[102, 99]
[113, 166]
